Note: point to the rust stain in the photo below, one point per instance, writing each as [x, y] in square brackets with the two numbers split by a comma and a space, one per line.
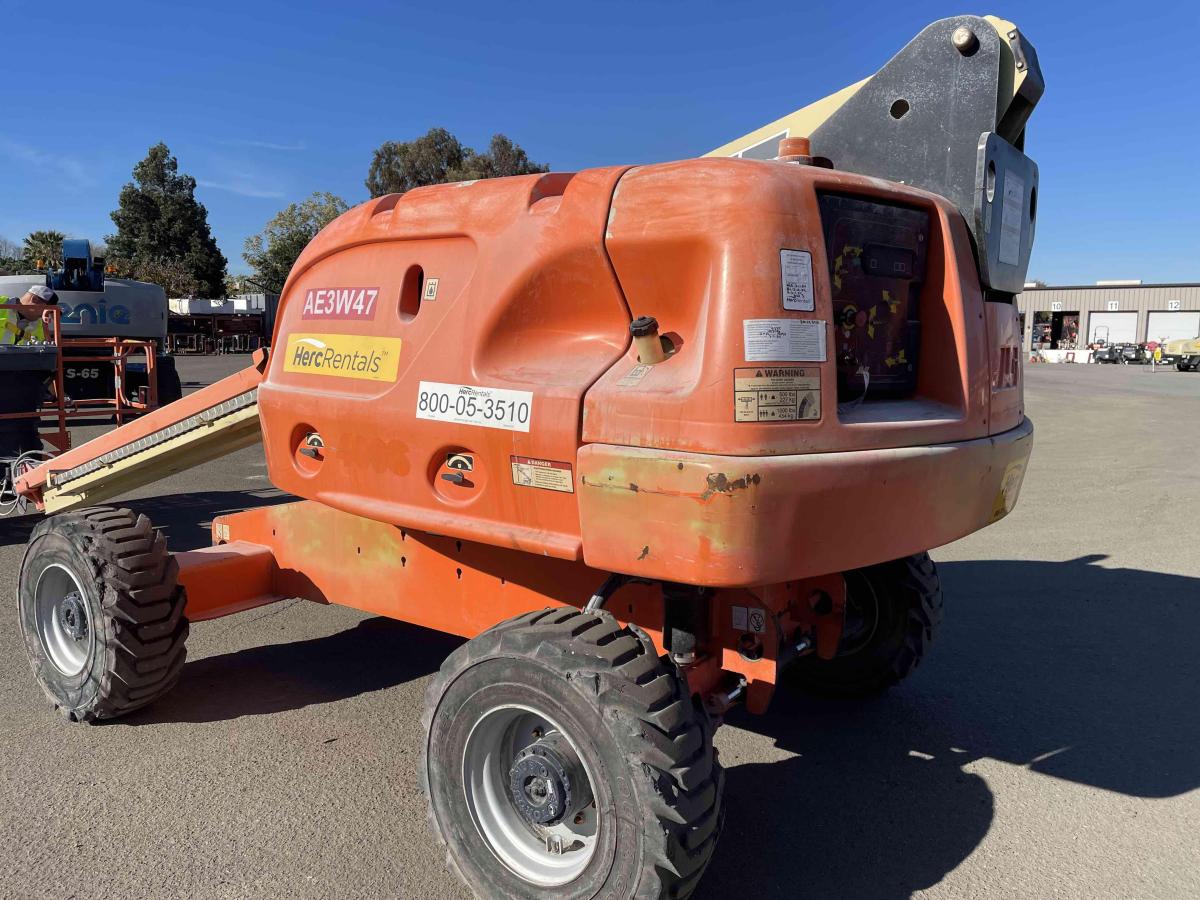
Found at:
[632, 488]
[719, 483]
[715, 483]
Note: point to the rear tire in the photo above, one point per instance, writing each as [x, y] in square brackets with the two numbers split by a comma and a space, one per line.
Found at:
[892, 612]
[584, 696]
[101, 613]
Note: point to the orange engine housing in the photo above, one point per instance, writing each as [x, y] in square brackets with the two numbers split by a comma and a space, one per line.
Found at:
[458, 360]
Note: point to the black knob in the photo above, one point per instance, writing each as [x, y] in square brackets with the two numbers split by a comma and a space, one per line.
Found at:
[643, 326]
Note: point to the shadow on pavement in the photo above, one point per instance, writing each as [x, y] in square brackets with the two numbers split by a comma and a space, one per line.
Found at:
[1069, 669]
[184, 518]
[375, 654]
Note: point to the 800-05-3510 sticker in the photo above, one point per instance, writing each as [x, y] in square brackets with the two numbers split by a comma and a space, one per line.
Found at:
[468, 404]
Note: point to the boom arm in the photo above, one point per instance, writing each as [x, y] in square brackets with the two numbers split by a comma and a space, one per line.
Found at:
[203, 426]
[946, 114]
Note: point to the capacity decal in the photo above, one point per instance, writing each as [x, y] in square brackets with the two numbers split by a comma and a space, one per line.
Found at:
[787, 394]
[469, 404]
[546, 474]
[343, 356]
[340, 303]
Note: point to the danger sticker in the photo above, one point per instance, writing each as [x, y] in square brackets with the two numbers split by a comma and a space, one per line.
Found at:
[797, 279]
[546, 474]
[343, 356]
[788, 394]
[340, 303]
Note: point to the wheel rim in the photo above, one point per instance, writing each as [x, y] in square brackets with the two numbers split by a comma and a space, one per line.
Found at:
[62, 619]
[547, 855]
[862, 614]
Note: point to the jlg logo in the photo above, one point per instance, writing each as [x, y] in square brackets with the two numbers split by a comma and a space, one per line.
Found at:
[340, 303]
[1008, 372]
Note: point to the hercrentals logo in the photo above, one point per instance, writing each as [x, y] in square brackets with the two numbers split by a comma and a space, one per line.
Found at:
[340, 303]
[343, 356]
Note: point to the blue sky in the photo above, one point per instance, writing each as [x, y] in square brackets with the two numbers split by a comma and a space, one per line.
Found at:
[266, 102]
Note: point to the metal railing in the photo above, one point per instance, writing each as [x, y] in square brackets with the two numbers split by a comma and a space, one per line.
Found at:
[61, 408]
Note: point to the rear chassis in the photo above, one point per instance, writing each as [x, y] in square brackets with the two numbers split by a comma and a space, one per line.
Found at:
[737, 553]
[753, 509]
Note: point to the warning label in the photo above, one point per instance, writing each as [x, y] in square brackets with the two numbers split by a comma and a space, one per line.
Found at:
[790, 340]
[789, 394]
[750, 619]
[542, 473]
[1012, 214]
[797, 279]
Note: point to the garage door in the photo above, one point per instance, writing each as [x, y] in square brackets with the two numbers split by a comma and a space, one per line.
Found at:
[1171, 326]
[1113, 328]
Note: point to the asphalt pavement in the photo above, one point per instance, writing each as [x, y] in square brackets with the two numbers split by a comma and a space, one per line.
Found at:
[1048, 748]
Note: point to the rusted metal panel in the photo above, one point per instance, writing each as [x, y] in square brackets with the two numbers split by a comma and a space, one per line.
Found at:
[742, 521]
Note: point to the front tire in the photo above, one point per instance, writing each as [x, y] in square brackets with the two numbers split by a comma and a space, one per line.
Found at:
[892, 612]
[563, 759]
[101, 613]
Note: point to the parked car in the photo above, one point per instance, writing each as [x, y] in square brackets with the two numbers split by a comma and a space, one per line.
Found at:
[1109, 353]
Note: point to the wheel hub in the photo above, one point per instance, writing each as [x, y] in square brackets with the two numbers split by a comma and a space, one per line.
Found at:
[62, 620]
[73, 617]
[529, 794]
[547, 782]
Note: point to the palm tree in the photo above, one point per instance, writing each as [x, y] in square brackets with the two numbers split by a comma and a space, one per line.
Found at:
[44, 248]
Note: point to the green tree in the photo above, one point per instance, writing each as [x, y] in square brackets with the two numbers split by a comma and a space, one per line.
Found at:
[12, 257]
[503, 158]
[160, 222]
[438, 157]
[273, 253]
[44, 249]
[171, 274]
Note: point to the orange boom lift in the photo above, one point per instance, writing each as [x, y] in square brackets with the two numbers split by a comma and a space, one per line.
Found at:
[685, 431]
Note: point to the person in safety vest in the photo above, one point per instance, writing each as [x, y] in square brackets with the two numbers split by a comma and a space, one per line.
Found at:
[24, 322]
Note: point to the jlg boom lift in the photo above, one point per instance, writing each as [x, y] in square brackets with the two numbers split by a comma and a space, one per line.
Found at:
[684, 430]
